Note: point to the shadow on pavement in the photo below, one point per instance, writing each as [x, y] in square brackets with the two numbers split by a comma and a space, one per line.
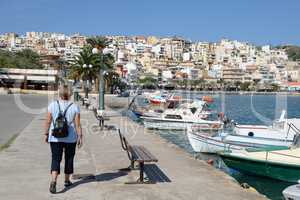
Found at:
[89, 178]
[155, 174]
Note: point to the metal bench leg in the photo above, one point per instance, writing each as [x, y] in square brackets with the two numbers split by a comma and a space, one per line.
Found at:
[101, 123]
[132, 164]
[141, 180]
[141, 172]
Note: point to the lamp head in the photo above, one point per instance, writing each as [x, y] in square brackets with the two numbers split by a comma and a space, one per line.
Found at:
[106, 51]
[95, 51]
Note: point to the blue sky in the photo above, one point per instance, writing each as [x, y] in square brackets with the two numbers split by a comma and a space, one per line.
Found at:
[257, 21]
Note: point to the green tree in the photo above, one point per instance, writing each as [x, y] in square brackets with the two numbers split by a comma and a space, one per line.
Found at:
[292, 51]
[112, 80]
[30, 55]
[104, 61]
[147, 79]
[24, 59]
[201, 84]
[148, 82]
[80, 67]
[275, 87]
[237, 85]
[194, 83]
[98, 42]
[85, 57]
[245, 86]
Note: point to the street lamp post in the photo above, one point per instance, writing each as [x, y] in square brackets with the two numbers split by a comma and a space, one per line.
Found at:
[101, 90]
[101, 84]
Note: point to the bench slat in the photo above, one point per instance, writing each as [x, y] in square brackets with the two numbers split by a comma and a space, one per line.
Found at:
[149, 154]
[145, 154]
[141, 154]
[136, 154]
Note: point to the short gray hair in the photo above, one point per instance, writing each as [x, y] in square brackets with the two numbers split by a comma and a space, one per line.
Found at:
[65, 92]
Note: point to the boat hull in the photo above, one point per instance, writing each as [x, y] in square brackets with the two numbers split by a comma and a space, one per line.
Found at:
[283, 172]
[177, 125]
[157, 101]
[137, 113]
[206, 144]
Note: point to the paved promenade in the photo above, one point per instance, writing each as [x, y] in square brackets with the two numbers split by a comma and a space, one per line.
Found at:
[13, 113]
[24, 168]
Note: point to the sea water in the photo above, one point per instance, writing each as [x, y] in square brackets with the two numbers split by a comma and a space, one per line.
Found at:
[246, 109]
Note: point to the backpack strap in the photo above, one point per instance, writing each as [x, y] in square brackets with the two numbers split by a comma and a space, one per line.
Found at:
[59, 112]
[58, 106]
[65, 112]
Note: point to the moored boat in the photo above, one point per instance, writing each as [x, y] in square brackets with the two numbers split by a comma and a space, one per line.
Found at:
[283, 165]
[181, 117]
[159, 98]
[244, 136]
[222, 141]
[139, 105]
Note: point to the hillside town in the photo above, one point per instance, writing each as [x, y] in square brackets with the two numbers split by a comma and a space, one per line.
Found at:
[173, 61]
[150, 100]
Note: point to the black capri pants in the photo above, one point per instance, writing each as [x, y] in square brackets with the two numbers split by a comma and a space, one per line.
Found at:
[57, 149]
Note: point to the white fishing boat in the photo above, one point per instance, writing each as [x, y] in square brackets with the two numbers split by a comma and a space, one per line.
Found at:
[243, 137]
[205, 143]
[180, 118]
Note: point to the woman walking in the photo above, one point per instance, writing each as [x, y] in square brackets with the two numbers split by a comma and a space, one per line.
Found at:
[63, 131]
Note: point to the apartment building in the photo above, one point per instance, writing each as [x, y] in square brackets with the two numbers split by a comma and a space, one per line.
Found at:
[232, 74]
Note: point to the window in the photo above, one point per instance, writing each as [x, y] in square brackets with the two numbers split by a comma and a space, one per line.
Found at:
[193, 110]
[173, 117]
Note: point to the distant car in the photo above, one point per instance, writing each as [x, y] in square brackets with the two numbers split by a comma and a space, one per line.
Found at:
[124, 94]
[139, 92]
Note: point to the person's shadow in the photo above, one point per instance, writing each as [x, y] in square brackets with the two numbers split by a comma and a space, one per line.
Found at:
[83, 179]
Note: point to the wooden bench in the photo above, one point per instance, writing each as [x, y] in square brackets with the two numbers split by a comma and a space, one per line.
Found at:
[138, 154]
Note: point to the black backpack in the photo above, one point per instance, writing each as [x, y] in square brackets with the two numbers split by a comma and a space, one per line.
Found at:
[60, 125]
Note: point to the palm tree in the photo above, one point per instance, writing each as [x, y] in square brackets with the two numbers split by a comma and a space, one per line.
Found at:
[98, 42]
[104, 61]
[202, 83]
[61, 66]
[78, 71]
[112, 79]
[221, 83]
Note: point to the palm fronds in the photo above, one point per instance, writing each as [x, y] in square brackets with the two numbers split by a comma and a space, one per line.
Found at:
[99, 42]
